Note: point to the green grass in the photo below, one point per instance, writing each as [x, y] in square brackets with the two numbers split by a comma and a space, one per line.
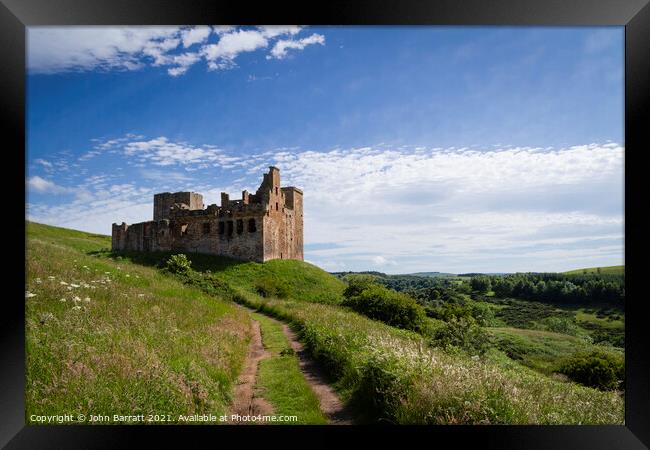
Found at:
[539, 350]
[120, 338]
[618, 270]
[280, 380]
[389, 374]
[304, 281]
[393, 375]
[605, 322]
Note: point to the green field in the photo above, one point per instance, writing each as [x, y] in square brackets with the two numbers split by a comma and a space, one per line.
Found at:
[113, 337]
[384, 373]
[617, 270]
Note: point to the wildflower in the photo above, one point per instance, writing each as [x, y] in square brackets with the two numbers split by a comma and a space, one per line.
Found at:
[69, 288]
[63, 283]
[76, 308]
[87, 299]
[76, 299]
[63, 300]
[107, 273]
[50, 277]
[74, 285]
[128, 275]
[140, 295]
[38, 280]
[29, 294]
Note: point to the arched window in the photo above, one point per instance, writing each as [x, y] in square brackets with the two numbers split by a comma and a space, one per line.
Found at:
[240, 226]
[252, 227]
[230, 227]
[222, 227]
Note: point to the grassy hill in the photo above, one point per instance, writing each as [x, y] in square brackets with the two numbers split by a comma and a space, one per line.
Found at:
[616, 270]
[114, 337]
[151, 341]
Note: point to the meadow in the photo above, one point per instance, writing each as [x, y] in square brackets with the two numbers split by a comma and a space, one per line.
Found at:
[384, 373]
[112, 337]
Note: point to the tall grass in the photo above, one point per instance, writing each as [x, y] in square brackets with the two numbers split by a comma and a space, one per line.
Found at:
[392, 375]
[109, 337]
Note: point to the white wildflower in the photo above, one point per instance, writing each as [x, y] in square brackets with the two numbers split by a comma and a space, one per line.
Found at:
[63, 300]
[63, 283]
[74, 285]
[87, 299]
[140, 295]
[29, 294]
[128, 275]
[38, 280]
[50, 277]
[76, 308]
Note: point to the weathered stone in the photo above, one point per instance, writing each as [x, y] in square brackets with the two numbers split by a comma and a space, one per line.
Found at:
[259, 227]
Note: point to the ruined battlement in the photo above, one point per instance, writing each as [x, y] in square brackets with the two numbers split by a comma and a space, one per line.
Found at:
[258, 227]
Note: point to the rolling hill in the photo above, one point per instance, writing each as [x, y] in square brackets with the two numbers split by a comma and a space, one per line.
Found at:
[116, 333]
[617, 270]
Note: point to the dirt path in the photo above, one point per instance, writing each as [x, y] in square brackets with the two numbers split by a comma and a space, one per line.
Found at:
[246, 403]
[330, 403]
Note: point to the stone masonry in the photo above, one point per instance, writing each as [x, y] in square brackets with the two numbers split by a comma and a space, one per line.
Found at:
[261, 226]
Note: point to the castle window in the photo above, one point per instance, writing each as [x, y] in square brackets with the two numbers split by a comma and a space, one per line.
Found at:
[230, 227]
[206, 228]
[222, 227]
[183, 229]
[276, 206]
[240, 226]
[276, 191]
[252, 228]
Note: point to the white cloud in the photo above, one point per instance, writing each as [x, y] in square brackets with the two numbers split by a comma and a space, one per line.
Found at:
[163, 152]
[182, 63]
[272, 31]
[56, 49]
[81, 48]
[452, 207]
[222, 54]
[44, 163]
[279, 50]
[195, 35]
[41, 185]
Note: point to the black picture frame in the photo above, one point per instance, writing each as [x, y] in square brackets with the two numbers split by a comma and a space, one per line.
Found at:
[634, 15]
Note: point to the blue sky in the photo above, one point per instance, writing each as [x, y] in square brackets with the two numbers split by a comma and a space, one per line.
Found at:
[419, 148]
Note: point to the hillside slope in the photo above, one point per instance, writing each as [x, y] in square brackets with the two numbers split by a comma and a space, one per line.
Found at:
[113, 337]
[386, 373]
[615, 270]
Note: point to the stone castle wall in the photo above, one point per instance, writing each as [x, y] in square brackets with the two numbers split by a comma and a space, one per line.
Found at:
[259, 227]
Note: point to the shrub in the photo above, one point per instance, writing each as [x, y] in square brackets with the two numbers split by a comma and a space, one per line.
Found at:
[463, 333]
[179, 264]
[482, 313]
[357, 284]
[388, 306]
[271, 287]
[598, 369]
[564, 325]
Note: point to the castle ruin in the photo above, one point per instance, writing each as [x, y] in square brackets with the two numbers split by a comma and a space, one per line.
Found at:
[259, 227]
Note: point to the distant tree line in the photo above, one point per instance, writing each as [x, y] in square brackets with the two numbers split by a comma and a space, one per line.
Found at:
[555, 287]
